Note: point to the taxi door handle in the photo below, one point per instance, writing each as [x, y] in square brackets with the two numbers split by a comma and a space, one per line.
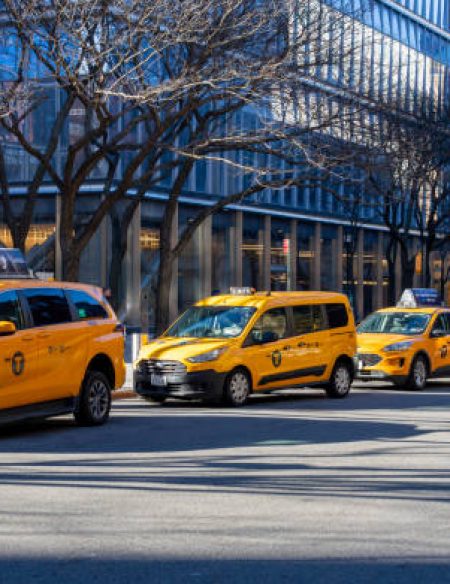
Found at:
[43, 335]
[301, 345]
[286, 348]
[27, 338]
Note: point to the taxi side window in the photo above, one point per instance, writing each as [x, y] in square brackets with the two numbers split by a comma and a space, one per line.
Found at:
[337, 315]
[308, 319]
[86, 306]
[270, 327]
[48, 306]
[10, 309]
[441, 326]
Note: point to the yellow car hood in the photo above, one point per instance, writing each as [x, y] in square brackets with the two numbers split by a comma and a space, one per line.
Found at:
[375, 342]
[178, 349]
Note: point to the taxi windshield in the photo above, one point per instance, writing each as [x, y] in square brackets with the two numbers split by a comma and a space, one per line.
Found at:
[212, 321]
[400, 323]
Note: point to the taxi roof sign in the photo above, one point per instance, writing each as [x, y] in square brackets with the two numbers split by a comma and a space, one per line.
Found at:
[13, 264]
[242, 291]
[419, 297]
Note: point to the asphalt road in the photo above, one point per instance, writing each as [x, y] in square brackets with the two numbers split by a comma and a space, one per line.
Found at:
[292, 488]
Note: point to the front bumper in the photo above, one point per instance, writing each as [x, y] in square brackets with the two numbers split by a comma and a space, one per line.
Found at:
[395, 369]
[206, 384]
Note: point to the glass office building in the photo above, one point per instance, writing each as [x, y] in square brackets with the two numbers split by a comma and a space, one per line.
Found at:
[295, 238]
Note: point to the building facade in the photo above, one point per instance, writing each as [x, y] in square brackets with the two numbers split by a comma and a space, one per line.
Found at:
[296, 238]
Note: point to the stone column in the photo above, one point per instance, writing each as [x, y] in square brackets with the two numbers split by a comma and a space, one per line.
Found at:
[293, 254]
[317, 249]
[267, 245]
[133, 271]
[360, 273]
[58, 253]
[338, 258]
[237, 240]
[379, 271]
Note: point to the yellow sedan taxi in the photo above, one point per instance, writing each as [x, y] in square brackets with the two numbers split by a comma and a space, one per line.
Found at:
[62, 347]
[406, 344]
[226, 347]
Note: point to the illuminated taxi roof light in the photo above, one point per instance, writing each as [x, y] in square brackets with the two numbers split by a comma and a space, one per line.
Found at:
[419, 297]
[242, 291]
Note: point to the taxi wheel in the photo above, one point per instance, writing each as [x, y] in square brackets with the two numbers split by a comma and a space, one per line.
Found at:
[237, 388]
[95, 400]
[418, 374]
[340, 381]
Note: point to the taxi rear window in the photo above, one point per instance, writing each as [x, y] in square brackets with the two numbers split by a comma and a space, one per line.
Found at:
[48, 306]
[86, 306]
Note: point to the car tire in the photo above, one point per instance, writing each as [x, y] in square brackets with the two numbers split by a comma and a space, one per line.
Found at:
[237, 388]
[95, 400]
[340, 381]
[418, 373]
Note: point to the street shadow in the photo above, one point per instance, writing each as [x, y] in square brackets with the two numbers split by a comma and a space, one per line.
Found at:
[158, 570]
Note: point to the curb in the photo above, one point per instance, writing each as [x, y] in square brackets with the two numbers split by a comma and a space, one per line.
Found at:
[123, 394]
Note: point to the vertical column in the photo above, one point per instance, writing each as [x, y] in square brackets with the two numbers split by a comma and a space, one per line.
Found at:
[133, 271]
[360, 274]
[317, 249]
[205, 250]
[338, 258]
[173, 312]
[237, 251]
[379, 271]
[293, 253]
[58, 253]
[267, 248]
[398, 275]
[104, 252]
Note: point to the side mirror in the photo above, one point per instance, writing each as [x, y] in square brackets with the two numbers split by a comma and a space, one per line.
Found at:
[269, 337]
[438, 333]
[7, 328]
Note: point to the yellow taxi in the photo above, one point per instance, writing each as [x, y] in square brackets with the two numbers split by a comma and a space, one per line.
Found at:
[229, 346]
[61, 347]
[406, 344]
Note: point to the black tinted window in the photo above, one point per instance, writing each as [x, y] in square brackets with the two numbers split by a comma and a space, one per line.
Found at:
[48, 306]
[10, 309]
[308, 319]
[337, 315]
[86, 306]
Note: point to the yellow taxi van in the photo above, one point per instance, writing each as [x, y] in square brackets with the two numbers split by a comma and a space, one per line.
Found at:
[61, 347]
[226, 347]
[406, 344]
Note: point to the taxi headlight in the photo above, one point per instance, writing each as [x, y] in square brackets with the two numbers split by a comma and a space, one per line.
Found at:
[206, 357]
[402, 346]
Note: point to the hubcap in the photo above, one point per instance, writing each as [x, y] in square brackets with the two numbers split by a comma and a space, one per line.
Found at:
[342, 380]
[420, 373]
[98, 399]
[239, 388]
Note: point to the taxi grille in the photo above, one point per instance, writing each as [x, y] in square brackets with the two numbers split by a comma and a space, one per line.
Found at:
[160, 367]
[369, 359]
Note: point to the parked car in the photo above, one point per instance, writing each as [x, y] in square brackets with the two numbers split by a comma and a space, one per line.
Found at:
[61, 350]
[406, 344]
[227, 347]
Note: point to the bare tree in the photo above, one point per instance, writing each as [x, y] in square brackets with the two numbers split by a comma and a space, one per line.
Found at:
[154, 88]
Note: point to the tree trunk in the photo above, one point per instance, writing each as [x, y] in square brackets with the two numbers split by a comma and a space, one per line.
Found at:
[391, 256]
[408, 267]
[118, 251]
[163, 288]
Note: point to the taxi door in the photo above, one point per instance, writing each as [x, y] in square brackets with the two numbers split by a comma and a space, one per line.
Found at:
[311, 351]
[268, 350]
[62, 343]
[18, 356]
[440, 344]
